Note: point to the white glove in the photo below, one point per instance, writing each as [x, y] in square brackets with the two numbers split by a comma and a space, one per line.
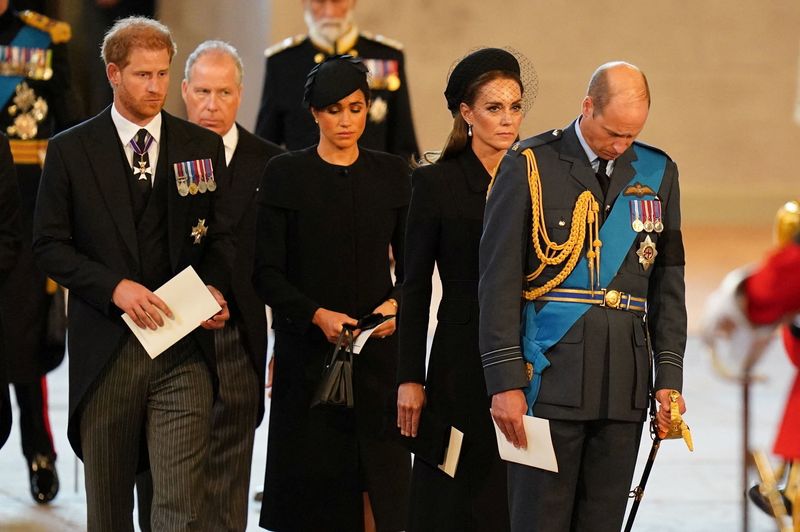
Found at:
[736, 343]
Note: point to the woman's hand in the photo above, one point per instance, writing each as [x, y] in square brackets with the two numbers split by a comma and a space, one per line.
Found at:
[387, 328]
[410, 400]
[330, 323]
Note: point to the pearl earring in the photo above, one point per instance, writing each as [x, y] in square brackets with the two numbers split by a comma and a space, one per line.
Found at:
[469, 130]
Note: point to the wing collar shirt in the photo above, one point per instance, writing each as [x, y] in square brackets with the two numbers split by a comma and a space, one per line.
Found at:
[127, 130]
[590, 154]
[230, 140]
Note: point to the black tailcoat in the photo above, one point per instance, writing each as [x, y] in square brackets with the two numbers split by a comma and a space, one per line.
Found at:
[85, 237]
[247, 310]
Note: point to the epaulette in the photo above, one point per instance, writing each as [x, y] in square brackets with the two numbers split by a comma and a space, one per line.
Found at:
[288, 42]
[649, 147]
[538, 140]
[60, 32]
[391, 43]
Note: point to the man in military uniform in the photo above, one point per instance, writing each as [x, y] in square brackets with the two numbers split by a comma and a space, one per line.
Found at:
[581, 241]
[34, 83]
[282, 118]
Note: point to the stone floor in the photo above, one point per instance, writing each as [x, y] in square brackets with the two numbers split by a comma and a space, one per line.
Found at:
[687, 492]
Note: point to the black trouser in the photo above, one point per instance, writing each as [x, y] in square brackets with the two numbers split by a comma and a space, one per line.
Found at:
[34, 422]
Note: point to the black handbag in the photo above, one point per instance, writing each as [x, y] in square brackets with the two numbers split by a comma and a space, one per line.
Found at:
[336, 386]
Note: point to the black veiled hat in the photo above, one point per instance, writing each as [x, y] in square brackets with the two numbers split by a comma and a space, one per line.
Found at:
[335, 78]
[471, 67]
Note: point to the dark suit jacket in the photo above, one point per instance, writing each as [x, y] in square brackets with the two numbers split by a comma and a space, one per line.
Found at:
[600, 367]
[284, 120]
[85, 236]
[9, 250]
[245, 171]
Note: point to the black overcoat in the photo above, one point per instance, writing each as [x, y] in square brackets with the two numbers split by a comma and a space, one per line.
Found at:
[444, 227]
[323, 239]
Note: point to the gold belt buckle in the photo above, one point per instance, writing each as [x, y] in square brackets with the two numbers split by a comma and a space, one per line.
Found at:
[612, 298]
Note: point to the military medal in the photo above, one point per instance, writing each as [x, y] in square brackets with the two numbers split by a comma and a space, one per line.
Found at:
[647, 253]
[658, 225]
[208, 168]
[648, 215]
[377, 110]
[201, 184]
[636, 217]
[199, 230]
[181, 179]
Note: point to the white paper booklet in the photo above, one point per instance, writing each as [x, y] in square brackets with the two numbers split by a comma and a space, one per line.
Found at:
[190, 302]
[539, 452]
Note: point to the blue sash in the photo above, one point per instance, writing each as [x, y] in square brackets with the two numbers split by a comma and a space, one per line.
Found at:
[27, 37]
[544, 329]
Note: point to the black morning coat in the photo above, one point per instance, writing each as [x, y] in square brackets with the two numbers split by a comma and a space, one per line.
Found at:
[323, 239]
[10, 243]
[284, 120]
[445, 219]
[582, 383]
[247, 310]
[85, 237]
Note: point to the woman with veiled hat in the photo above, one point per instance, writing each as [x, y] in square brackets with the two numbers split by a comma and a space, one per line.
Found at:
[328, 215]
[487, 93]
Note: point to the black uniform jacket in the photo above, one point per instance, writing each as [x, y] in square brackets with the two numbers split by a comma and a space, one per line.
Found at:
[284, 120]
[444, 227]
[37, 108]
[85, 237]
[245, 171]
[323, 239]
[599, 369]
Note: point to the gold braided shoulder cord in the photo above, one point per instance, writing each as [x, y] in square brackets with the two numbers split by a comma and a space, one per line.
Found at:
[584, 216]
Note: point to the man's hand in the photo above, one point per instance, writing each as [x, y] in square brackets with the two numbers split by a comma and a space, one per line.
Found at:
[507, 410]
[217, 321]
[410, 400]
[663, 417]
[140, 304]
[330, 323]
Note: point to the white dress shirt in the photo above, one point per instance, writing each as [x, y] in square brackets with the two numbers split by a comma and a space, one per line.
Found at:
[127, 131]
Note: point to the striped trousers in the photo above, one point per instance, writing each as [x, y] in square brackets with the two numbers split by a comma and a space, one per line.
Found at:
[233, 426]
[167, 403]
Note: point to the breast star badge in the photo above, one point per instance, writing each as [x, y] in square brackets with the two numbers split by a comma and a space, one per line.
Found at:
[647, 252]
[199, 230]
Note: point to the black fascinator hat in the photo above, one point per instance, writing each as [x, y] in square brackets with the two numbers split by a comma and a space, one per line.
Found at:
[335, 78]
[479, 62]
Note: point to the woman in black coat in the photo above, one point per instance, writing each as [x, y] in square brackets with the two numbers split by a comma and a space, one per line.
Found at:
[485, 95]
[328, 215]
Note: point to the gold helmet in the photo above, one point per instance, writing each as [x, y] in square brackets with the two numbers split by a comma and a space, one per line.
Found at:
[787, 223]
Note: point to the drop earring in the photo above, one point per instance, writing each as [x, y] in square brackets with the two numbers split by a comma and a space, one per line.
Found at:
[469, 130]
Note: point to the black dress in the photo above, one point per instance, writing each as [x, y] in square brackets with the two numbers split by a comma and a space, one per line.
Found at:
[323, 240]
[444, 227]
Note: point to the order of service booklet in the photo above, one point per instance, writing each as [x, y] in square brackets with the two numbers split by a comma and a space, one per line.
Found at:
[190, 302]
[539, 452]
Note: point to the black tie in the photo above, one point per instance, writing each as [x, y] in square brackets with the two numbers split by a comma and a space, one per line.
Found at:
[602, 176]
[141, 161]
